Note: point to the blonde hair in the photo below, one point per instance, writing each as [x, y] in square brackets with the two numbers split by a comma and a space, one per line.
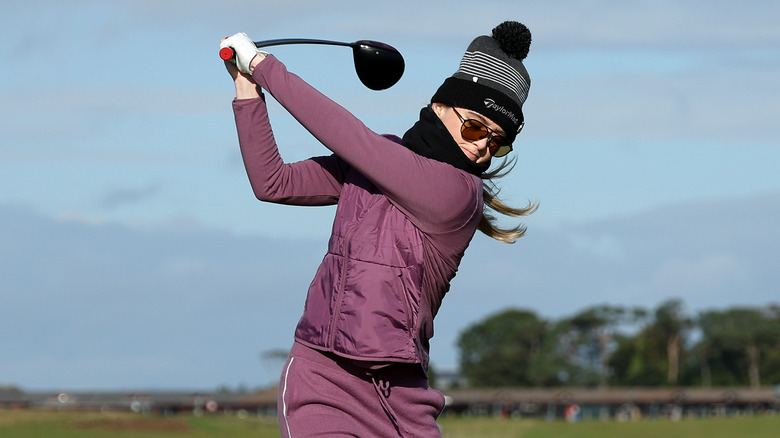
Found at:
[492, 204]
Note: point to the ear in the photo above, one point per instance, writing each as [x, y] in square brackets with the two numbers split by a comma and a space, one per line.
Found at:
[438, 108]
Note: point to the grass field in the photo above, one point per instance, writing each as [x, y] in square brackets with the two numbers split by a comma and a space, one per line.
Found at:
[52, 424]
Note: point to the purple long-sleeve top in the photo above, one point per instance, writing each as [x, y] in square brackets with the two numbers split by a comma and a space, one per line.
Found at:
[402, 223]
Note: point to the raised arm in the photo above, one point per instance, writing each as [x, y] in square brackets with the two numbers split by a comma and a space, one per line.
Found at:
[435, 196]
[316, 181]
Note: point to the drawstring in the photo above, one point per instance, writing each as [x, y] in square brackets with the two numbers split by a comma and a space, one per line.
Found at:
[382, 387]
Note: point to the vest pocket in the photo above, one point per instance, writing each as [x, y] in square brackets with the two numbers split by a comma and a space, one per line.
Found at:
[376, 318]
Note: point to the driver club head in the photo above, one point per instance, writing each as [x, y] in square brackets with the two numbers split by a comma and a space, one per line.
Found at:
[378, 65]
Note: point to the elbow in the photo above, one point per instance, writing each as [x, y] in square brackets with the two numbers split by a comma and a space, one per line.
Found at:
[266, 186]
[272, 190]
[266, 198]
[264, 194]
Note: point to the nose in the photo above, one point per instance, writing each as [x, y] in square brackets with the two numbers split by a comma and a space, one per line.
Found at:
[482, 145]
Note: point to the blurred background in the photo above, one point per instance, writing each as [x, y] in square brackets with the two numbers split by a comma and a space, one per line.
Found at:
[134, 254]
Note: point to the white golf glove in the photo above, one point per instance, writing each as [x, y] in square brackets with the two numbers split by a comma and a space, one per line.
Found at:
[244, 48]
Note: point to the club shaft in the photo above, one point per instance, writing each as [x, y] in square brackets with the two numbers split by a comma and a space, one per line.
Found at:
[284, 41]
[227, 53]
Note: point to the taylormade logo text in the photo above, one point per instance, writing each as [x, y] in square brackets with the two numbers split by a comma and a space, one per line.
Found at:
[492, 105]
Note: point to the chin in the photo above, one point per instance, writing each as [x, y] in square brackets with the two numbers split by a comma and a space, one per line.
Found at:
[469, 155]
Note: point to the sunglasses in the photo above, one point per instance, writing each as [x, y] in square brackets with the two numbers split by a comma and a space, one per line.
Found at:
[474, 130]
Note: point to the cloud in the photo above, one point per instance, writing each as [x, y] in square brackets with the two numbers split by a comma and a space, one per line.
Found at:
[118, 197]
[602, 23]
[87, 292]
[170, 297]
[605, 245]
[712, 274]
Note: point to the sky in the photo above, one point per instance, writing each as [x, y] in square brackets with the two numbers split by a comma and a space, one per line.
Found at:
[134, 254]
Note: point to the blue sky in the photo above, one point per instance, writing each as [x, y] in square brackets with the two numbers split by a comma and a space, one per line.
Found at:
[115, 121]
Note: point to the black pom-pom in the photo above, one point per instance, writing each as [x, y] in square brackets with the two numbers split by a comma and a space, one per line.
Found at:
[514, 39]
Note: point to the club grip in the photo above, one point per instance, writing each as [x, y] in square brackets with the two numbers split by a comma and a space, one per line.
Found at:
[226, 53]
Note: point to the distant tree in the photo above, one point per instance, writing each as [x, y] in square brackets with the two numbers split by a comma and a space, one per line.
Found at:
[770, 364]
[638, 360]
[740, 337]
[499, 350]
[593, 333]
[652, 356]
[432, 376]
[553, 365]
[704, 353]
[736, 346]
[673, 325]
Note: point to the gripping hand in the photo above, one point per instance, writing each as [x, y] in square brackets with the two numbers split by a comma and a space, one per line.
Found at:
[244, 49]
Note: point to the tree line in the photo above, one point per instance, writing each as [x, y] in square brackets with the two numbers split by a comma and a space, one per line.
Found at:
[619, 346]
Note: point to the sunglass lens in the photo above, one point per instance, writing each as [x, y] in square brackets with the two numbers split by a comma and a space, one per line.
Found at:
[499, 140]
[502, 150]
[473, 130]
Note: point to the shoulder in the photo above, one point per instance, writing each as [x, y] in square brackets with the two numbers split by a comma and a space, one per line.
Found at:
[394, 138]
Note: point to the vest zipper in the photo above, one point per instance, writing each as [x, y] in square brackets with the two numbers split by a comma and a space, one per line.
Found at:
[340, 292]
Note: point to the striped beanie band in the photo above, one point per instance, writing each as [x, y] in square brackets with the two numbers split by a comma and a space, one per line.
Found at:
[491, 79]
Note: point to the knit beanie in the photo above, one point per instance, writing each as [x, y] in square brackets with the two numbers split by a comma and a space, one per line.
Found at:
[491, 79]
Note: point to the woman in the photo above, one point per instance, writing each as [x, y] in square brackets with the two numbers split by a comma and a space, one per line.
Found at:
[407, 210]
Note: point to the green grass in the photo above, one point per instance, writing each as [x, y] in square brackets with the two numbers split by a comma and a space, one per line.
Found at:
[69, 424]
[53, 424]
[755, 427]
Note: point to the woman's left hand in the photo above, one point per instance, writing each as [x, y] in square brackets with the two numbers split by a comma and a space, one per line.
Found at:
[244, 51]
[246, 88]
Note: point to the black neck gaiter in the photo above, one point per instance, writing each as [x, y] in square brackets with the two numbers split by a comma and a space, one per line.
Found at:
[431, 139]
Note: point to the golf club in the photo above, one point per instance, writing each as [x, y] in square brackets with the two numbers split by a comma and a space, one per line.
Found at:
[378, 65]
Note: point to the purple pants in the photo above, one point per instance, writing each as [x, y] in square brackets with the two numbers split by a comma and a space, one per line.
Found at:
[324, 395]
